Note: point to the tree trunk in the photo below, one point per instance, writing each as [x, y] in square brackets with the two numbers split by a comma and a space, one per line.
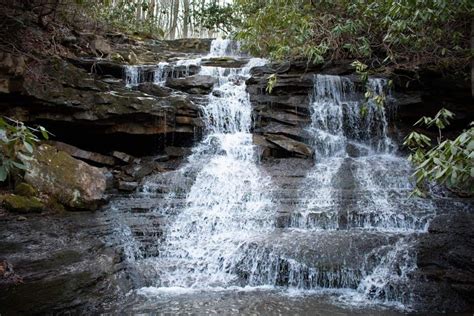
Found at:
[186, 18]
[174, 19]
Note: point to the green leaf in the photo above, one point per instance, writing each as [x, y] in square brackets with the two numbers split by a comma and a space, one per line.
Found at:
[19, 165]
[44, 132]
[28, 147]
[3, 173]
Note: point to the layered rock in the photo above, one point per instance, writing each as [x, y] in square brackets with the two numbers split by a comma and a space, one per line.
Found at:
[72, 102]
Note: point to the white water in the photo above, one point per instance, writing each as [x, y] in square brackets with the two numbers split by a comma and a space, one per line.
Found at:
[227, 204]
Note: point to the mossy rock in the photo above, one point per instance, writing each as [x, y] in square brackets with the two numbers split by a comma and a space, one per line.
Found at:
[22, 204]
[26, 190]
[71, 182]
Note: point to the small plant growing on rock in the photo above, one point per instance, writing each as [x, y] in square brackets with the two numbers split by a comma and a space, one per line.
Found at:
[17, 143]
[271, 82]
[449, 162]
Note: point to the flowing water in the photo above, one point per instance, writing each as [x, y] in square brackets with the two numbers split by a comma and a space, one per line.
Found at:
[348, 238]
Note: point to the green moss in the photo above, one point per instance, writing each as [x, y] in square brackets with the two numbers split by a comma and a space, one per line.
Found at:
[26, 190]
[21, 204]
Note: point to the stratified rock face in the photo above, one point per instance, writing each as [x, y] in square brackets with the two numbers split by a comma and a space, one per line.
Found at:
[72, 102]
[446, 262]
[72, 182]
[282, 115]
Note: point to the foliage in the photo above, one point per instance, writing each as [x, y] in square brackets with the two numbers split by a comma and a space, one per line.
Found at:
[271, 82]
[17, 142]
[214, 17]
[122, 15]
[387, 31]
[449, 162]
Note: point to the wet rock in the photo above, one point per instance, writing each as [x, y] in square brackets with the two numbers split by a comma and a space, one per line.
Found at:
[7, 273]
[197, 84]
[22, 204]
[72, 182]
[289, 131]
[285, 118]
[290, 145]
[445, 262]
[70, 268]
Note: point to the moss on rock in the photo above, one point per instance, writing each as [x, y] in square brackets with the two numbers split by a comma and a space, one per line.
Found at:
[26, 190]
[69, 181]
[22, 204]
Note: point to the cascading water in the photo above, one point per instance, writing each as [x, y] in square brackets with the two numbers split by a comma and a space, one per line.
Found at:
[227, 203]
[359, 182]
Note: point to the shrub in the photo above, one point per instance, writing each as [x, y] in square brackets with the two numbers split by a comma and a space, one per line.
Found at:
[17, 143]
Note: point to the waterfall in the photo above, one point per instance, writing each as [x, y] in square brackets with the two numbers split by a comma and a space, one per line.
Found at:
[351, 224]
[224, 47]
[132, 76]
[161, 73]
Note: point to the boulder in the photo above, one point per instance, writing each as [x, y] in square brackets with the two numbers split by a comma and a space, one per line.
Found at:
[71, 182]
[281, 129]
[197, 84]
